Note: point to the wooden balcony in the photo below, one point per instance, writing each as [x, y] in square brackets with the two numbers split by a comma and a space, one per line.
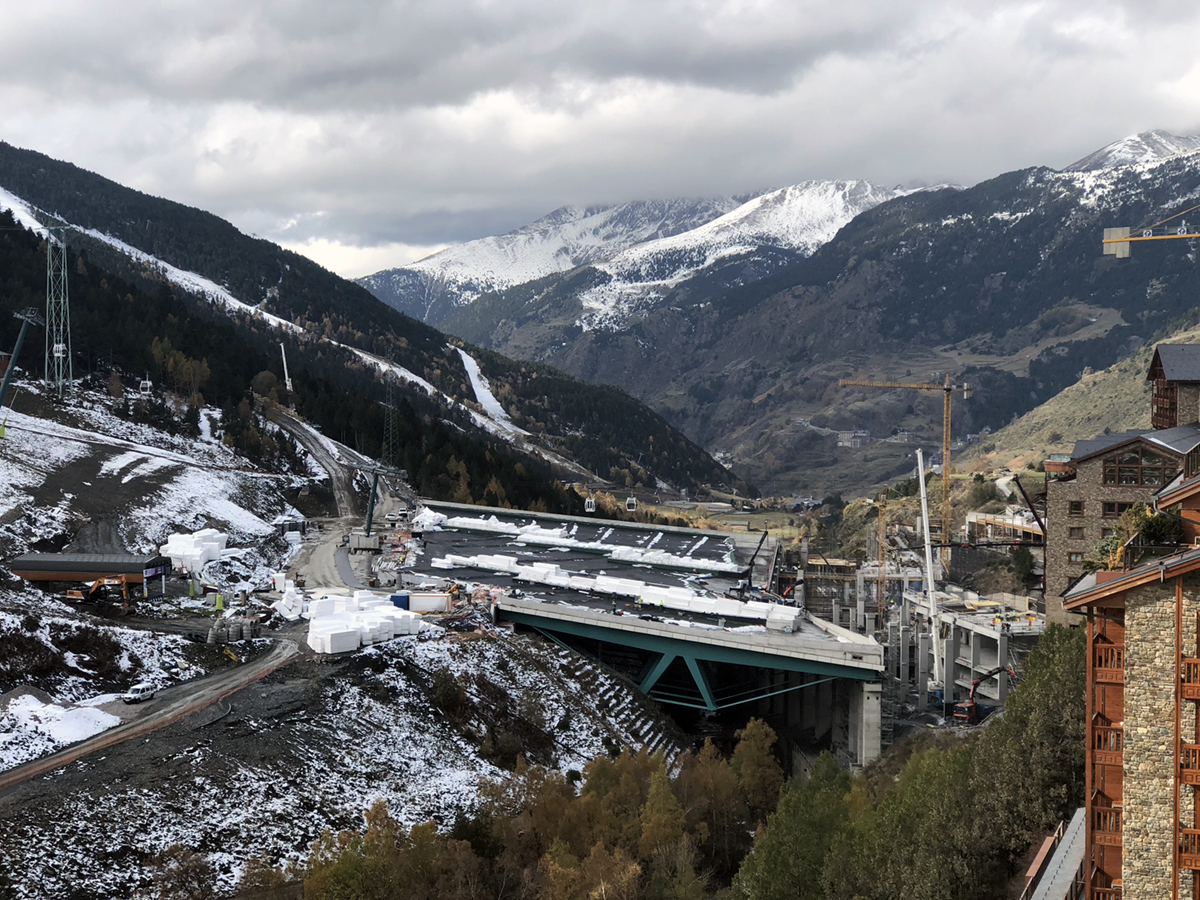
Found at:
[1189, 763]
[1108, 663]
[1108, 742]
[1108, 893]
[1191, 679]
[1189, 848]
[1106, 826]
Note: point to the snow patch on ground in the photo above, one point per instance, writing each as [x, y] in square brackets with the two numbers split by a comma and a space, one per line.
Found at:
[484, 395]
[30, 729]
[371, 736]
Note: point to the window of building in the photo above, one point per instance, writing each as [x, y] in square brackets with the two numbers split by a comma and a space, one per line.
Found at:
[1112, 509]
[1076, 532]
[1075, 508]
[1191, 463]
[1075, 557]
[1107, 532]
[1138, 466]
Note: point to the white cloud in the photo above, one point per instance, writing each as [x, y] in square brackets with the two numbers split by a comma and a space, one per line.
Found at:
[354, 262]
[352, 128]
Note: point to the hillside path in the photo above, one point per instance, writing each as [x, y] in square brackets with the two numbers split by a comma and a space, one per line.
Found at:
[171, 705]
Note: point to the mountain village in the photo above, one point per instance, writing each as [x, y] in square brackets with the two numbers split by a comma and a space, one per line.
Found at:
[818, 576]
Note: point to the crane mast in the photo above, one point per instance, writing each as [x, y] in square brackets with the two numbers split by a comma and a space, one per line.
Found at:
[287, 379]
[948, 390]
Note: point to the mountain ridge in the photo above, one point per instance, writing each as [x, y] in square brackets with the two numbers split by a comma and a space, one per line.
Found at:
[276, 293]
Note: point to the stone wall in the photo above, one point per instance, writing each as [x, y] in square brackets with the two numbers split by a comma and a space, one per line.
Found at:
[1149, 758]
[1088, 487]
[1187, 403]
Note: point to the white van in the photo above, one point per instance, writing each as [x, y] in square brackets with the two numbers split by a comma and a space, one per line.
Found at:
[138, 693]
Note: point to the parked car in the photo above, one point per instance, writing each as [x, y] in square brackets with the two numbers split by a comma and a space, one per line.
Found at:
[138, 693]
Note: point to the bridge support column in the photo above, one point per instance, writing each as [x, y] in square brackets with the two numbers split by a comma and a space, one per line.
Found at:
[701, 683]
[656, 672]
[865, 720]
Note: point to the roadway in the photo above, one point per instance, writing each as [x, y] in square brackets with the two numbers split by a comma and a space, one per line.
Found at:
[169, 706]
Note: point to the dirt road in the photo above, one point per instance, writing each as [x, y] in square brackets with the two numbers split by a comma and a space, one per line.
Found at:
[169, 706]
[341, 477]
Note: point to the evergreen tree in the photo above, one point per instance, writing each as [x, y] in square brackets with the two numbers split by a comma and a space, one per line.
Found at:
[789, 855]
[759, 773]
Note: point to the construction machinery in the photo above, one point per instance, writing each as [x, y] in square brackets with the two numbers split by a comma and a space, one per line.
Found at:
[27, 317]
[966, 712]
[99, 587]
[948, 389]
[1116, 241]
[287, 379]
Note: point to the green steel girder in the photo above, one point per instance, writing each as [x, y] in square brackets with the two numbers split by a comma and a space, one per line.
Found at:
[671, 647]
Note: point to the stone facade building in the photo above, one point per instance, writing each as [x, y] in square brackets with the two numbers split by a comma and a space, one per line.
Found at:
[1107, 475]
[1143, 744]
[1175, 374]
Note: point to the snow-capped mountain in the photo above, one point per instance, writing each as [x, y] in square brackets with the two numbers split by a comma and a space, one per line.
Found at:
[568, 237]
[798, 218]
[1137, 149]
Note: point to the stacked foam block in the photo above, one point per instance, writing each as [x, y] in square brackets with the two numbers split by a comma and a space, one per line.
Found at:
[339, 624]
[682, 599]
[291, 605]
[190, 552]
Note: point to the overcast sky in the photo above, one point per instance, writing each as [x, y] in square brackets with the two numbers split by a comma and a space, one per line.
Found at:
[367, 134]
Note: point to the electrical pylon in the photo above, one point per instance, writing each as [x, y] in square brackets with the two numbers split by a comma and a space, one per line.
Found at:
[59, 374]
[391, 426]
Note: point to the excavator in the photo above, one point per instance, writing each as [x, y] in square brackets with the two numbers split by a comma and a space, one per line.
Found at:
[99, 587]
[966, 712]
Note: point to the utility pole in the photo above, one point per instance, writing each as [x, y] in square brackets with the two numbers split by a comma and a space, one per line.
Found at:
[59, 374]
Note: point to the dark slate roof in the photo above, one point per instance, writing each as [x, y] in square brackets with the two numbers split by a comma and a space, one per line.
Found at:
[1084, 449]
[1179, 440]
[117, 563]
[1180, 362]
[1167, 565]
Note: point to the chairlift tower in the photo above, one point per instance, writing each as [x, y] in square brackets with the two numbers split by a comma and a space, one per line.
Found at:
[59, 375]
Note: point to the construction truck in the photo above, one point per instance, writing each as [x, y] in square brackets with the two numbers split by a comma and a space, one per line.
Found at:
[966, 712]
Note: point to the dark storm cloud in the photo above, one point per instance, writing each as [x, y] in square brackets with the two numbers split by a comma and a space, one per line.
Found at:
[366, 124]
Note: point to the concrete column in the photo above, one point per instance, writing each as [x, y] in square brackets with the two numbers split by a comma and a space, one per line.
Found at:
[1002, 660]
[949, 650]
[865, 717]
[835, 613]
[923, 649]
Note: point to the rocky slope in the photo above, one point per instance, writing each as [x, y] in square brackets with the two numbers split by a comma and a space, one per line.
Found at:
[1002, 284]
[342, 343]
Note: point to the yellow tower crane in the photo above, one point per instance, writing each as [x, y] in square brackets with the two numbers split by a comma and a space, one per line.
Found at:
[1117, 240]
[948, 390]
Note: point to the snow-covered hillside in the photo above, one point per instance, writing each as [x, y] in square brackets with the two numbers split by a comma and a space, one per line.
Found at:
[1146, 147]
[566, 238]
[55, 476]
[800, 218]
[644, 246]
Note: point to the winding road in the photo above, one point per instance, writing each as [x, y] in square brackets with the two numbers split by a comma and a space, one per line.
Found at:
[171, 705]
